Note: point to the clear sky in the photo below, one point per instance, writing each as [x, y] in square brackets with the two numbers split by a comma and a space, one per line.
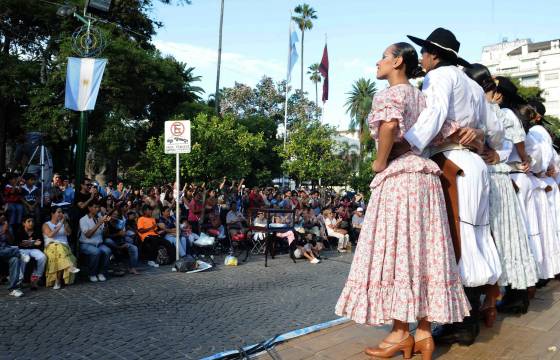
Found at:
[255, 36]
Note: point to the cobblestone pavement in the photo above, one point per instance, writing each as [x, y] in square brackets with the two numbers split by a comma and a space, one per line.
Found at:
[166, 315]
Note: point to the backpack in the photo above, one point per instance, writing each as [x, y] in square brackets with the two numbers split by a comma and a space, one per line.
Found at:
[186, 263]
[163, 256]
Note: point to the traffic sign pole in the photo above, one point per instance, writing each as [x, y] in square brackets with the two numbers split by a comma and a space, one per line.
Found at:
[177, 207]
[177, 140]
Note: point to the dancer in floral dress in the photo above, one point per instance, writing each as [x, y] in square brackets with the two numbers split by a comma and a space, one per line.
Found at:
[404, 269]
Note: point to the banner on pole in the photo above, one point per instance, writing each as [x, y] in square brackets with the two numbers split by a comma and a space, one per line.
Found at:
[177, 137]
[83, 78]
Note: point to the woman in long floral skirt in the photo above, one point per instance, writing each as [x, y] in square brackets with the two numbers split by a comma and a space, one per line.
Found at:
[404, 268]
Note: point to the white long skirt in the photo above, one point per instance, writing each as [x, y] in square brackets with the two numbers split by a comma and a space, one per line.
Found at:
[519, 268]
[479, 264]
[528, 207]
[546, 213]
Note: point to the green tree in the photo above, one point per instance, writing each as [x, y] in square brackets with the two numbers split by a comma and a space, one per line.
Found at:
[220, 147]
[310, 154]
[140, 88]
[304, 17]
[315, 77]
[358, 105]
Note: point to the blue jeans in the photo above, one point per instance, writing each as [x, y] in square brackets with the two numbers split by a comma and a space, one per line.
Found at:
[16, 214]
[39, 257]
[12, 256]
[97, 257]
[131, 248]
[183, 244]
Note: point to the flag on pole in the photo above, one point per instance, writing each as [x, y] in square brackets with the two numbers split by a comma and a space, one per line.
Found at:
[324, 70]
[293, 55]
[83, 77]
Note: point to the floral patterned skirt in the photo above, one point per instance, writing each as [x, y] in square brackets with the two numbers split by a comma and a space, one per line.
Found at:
[404, 267]
[59, 258]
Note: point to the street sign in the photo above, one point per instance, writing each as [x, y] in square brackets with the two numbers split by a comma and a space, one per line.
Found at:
[177, 137]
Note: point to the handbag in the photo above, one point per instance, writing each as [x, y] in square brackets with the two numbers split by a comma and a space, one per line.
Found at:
[186, 263]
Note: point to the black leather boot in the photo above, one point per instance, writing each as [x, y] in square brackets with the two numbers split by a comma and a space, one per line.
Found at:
[463, 333]
[514, 302]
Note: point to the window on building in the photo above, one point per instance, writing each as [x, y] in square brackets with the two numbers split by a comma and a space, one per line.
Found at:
[530, 80]
[551, 76]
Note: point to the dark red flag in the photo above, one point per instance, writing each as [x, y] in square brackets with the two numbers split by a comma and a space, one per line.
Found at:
[324, 70]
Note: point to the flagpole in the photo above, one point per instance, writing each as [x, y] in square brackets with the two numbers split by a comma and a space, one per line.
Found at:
[286, 91]
[323, 109]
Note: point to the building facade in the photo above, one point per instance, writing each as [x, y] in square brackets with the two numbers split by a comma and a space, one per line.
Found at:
[534, 64]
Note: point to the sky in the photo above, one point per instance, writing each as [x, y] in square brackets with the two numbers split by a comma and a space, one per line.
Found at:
[255, 37]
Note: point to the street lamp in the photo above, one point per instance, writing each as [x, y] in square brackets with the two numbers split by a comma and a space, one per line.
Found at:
[87, 41]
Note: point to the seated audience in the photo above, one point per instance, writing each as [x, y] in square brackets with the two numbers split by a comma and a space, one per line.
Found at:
[334, 230]
[115, 238]
[98, 255]
[29, 241]
[61, 263]
[168, 226]
[150, 237]
[357, 221]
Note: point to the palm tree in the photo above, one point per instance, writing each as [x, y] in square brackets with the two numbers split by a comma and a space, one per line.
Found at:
[358, 105]
[305, 14]
[315, 78]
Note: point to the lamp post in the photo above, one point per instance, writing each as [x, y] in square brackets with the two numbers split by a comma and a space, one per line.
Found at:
[88, 41]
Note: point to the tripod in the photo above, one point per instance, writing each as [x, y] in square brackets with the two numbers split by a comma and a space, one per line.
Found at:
[43, 155]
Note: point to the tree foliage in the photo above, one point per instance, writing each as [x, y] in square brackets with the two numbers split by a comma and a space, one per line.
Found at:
[358, 106]
[140, 87]
[310, 154]
[220, 147]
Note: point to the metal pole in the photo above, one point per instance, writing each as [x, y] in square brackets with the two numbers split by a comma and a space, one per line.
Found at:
[177, 208]
[217, 94]
[81, 149]
[42, 161]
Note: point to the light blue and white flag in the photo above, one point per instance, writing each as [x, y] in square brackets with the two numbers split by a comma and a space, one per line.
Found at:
[83, 77]
[293, 55]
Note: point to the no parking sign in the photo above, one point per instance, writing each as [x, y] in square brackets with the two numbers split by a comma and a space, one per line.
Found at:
[177, 137]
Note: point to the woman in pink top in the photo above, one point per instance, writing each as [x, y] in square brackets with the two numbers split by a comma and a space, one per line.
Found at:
[404, 269]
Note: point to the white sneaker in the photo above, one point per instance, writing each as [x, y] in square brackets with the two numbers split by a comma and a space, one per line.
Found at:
[341, 250]
[93, 278]
[56, 286]
[101, 277]
[314, 261]
[25, 258]
[74, 270]
[16, 293]
[153, 264]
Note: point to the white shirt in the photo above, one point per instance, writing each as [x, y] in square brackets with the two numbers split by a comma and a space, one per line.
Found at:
[514, 132]
[449, 96]
[87, 223]
[539, 147]
[496, 133]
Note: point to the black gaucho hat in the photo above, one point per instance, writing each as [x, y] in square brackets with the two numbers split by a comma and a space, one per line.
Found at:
[446, 42]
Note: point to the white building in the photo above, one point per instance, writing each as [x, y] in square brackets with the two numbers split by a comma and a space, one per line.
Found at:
[535, 64]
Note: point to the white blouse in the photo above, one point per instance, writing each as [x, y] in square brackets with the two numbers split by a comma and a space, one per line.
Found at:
[514, 132]
[449, 96]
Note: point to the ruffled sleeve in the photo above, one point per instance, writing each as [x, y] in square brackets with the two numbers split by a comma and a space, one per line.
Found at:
[387, 106]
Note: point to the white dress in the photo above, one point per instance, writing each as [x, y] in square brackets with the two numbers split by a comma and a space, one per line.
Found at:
[450, 97]
[546, 195]
[519, 269]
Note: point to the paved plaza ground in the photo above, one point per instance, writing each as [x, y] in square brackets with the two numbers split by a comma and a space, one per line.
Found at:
[533, 336]
[166, 315]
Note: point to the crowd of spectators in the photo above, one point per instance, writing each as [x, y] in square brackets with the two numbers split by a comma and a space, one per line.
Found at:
[111, 229]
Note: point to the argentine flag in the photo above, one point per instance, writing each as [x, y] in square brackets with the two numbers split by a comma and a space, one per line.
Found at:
[293, 55]
[83, 77]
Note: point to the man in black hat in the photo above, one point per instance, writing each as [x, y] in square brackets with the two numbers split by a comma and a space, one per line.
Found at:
[450, 100]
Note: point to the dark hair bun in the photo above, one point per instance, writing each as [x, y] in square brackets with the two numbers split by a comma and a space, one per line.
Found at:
[416, 73]
[410, 59]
